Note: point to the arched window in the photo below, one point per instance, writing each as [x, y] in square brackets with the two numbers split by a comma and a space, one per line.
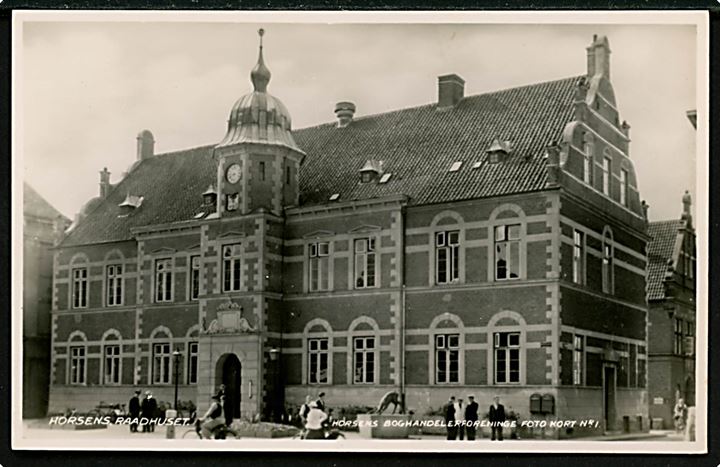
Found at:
[161, 339]
[112, 357]
[588, 157]
[79, 290]
[363, 363]
[77, 361]
[506, 361]
[318, 352]
[447, 358]
[447, 265]
[608, 253]
[508, 232]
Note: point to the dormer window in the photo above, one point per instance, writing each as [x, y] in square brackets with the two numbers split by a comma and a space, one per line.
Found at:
[371, 170]
[130, 204]
[498, 151]
[209, 196]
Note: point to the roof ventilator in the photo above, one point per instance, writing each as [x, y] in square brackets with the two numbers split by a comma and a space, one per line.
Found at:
[130, 203]
[498, 151]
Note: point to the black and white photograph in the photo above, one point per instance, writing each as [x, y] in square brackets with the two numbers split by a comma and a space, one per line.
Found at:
[296, 231]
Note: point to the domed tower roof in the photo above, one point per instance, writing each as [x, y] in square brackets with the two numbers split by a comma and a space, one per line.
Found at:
[259, 117]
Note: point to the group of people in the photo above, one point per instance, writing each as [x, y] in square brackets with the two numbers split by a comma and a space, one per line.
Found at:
[145, 408]
[314, 417]
[461, 419]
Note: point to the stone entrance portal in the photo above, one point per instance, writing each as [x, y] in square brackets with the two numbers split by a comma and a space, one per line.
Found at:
[228, 372]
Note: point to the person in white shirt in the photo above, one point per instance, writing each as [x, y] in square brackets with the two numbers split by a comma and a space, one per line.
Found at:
[460, 419]
[314, 422]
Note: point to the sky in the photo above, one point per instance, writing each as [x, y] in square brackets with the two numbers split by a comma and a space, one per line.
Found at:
[88, 88]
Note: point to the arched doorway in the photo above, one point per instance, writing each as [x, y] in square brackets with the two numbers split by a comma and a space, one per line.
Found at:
[228, 373]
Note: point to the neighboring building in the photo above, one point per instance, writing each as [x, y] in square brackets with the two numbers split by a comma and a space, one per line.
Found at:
[488, 244]
[42, 227]
[671, 297]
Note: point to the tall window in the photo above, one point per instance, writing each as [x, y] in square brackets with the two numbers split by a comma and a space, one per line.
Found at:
[77, 365]
[606, 176]
[364, 356]
[161, 363]
[80, 287]
[114, 284]
[318, 361]
[678, 349]
[587, 161]
[192, 370]
[112, 364]
[607, 265]
[507, 357]
[287, 175]
[163, 280]
[578, 257]
[447, 256]
[447, 358]
[507, 251]
[194, 277]
[262, 171]
[319, 256]
[365, 263]
[578, 358]
[231, 267]
[623, 186]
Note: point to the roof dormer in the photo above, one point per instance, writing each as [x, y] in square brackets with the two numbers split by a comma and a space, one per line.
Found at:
[372, 170]
[130, 204]
[498, 151]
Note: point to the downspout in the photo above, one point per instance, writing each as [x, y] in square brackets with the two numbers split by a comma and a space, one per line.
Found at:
[401, 267]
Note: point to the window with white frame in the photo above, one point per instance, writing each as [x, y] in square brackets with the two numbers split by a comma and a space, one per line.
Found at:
[578, 257]
[80, 287]
[319, 265]
[678, 347]
[364, 360]
[507, 251]
[77, 365]
[447, 358]
[231, 267]
[112, 364]
[192, 370]
[623, 186]
[161, 363]
[578, 359]
[114, 283]
[318, 354]
[607, 265]
[507, 357]
[163, 280]
[365, 263]
[587, 160]
[447, 257]
[194, 277]
[606, 172]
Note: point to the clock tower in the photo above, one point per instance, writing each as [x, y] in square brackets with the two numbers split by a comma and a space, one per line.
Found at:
[258, 159]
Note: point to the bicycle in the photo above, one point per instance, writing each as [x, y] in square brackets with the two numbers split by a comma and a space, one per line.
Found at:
[219, 432]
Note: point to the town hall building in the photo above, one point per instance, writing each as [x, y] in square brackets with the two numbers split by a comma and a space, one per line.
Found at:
[492, 244]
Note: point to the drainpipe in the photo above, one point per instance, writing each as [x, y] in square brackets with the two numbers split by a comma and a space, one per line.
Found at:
[401, 267]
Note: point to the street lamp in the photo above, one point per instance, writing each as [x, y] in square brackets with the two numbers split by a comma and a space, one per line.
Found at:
[176, 357]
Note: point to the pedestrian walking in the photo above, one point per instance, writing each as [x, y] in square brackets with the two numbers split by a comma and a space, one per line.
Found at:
[134, 410]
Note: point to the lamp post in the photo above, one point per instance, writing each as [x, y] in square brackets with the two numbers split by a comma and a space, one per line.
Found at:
[277, 407]
[176, 358]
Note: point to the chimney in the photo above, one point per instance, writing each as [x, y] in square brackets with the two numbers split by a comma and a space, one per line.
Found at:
[598, 57]
[104, 182]
[451, 90]
[344, 111]
[145, 145]
[687, 203]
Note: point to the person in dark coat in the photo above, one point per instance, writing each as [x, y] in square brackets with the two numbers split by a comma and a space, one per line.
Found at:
[497, 417]
[471, 417]
[134, 410]
[148, 407]
[450, 418]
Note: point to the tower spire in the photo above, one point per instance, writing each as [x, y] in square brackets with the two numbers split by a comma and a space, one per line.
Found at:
[260, 75]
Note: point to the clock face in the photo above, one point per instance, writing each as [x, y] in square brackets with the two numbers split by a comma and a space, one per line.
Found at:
[233, 173]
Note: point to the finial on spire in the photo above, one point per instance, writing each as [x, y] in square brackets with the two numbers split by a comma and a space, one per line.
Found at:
[260, 75]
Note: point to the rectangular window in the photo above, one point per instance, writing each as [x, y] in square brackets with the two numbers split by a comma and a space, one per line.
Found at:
[447, 257]
[678, 348]
[114, 284]
[319, 262]
[262, 171]
[623, 186]
[507, 357]
[578, 257]
[194, 277]
[192, 370]
[80, 287]
[607, 269]
[77, 365]
[578, 359]
[606, 176]
[112, 364]
[163, 280]
[587, 162]
[318, 361]
[447, 358]
[364, 356]
[507, 251]
[365, 263]
[231, 267]
[161, 363]
[287, 175]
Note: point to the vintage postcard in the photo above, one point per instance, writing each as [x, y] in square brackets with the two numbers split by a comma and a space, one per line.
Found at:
[432, 231]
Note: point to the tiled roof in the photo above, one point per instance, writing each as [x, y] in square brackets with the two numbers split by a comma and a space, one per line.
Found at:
[416, 145]
[661, 250]
[36, 206]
